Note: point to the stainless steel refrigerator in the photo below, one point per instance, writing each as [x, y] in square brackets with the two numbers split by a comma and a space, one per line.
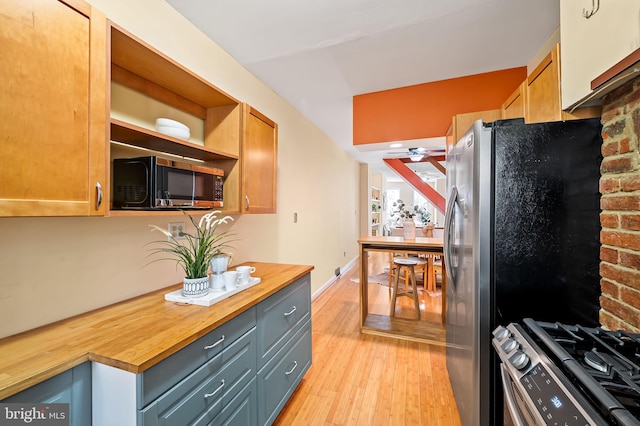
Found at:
[521, 240]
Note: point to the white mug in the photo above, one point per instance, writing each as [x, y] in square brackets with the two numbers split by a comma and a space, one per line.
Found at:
[217, 281]
[230, 280]
[244, 273]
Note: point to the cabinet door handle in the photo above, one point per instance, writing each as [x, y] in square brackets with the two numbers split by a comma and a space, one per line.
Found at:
[219, 388]
[213, 345]
[295, 365]
[290, 312]
[98, 195]
[246, 201]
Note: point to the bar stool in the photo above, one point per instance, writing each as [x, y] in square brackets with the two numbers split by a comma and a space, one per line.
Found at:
[409, 265]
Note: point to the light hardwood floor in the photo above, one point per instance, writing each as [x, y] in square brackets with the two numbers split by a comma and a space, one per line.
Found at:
[359, 379]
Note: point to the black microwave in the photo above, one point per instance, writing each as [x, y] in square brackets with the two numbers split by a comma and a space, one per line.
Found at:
[152, 183]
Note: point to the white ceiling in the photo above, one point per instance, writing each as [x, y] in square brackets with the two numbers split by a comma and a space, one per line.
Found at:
[319, 54]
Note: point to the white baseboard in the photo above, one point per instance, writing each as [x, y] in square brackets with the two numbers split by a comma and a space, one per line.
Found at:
[328, 284]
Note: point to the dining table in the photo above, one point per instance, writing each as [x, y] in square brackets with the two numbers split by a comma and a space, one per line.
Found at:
[432, 332]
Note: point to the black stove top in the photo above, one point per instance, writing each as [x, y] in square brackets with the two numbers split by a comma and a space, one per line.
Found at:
[603, 365]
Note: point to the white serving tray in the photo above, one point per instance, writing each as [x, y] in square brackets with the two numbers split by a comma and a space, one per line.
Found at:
[213, 297]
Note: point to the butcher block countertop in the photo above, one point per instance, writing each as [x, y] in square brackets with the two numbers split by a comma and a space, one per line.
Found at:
[132, 335]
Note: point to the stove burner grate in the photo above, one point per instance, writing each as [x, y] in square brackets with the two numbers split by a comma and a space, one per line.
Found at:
[604, 364]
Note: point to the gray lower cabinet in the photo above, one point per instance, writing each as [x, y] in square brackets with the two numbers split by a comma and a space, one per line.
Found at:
[278, 379]
[219, 367]
[202, 356]
[280, 316]
[72, 387]
[241, 373]
[284, 346]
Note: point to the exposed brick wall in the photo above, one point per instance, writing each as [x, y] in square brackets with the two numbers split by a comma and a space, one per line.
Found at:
[620, 204]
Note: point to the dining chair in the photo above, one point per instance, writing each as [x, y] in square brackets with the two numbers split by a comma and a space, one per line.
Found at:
[434, 271]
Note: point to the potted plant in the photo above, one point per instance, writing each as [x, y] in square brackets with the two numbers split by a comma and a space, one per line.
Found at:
[195, 252]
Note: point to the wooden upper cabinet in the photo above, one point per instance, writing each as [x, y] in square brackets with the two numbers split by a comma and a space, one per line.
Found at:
[542, 94]
[542, 101]
[53, 109]
[463, 122]
[146, 85]
[259, 162]
[513, 107]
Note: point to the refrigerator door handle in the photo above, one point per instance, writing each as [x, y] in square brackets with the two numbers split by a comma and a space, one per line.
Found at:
[448, 234]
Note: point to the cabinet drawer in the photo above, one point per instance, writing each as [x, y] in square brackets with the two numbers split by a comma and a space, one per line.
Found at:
[162, 376]
[280, 315]
[279, 378]
[241, 411]
[206, 391]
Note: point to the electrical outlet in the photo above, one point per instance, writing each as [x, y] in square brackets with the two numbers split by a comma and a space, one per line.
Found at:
[175, 228]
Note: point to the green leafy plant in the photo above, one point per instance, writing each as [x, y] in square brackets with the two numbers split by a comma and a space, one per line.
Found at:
[401, 212]
[195, 252]
[423, 215]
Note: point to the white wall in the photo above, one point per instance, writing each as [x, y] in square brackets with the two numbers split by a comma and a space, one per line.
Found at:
[53, 268]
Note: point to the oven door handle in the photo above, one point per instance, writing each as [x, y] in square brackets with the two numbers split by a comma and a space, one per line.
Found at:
[510, 399]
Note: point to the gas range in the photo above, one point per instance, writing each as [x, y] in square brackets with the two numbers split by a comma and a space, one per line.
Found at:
[557, 374]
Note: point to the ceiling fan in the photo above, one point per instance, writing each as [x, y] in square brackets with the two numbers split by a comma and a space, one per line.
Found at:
[416, 154]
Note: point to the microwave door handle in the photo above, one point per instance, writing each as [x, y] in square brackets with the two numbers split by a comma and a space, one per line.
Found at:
[193, 189]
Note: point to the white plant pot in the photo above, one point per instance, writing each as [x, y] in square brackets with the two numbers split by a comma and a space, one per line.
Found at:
[195, 287]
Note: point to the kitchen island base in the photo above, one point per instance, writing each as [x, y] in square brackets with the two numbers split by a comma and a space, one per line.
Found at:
[404, 329]
[401, 328]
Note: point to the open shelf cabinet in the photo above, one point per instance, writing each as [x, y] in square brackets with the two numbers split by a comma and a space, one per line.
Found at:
[156, 78]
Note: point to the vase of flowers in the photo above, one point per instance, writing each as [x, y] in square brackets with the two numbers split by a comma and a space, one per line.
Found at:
[195, 252]
[409, 229]
[405, 216]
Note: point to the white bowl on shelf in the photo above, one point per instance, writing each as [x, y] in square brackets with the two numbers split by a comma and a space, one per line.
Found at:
[174, 132]
[166, 122]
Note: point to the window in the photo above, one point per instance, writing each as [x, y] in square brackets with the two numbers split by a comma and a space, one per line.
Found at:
[392, 195]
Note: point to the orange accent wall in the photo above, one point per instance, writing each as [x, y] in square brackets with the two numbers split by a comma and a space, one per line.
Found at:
[425, 110]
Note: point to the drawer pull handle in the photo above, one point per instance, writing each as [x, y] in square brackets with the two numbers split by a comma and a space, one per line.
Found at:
[216, 343]
[295, 365]
[290, 312]
[208, 395]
